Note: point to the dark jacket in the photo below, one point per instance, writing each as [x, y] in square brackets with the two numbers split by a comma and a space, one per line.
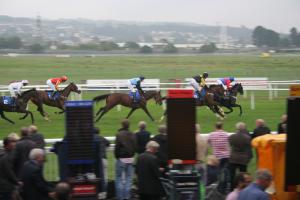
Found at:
[142, 138]
[8, 179]
[38, 139]
[21, 153]
[147, 170]
[104, 143]
[162, 154]
[125, 145]
[261, 130]
[282, 127]
[241, 150]
[35, 186]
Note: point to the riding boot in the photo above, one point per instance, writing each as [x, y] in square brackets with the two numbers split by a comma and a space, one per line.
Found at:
[199, 95]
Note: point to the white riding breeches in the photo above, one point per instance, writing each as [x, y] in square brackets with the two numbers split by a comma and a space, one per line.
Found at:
[50, 84]
[13, 91]
[195, 85]
[221, 83]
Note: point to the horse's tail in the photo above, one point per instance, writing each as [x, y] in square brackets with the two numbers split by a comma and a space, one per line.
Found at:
[100, 98]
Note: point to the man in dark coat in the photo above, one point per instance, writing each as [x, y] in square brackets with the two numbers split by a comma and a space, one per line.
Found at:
[147, 170]
[260, 129]
[36, 137]
[161, 139]
[142, 137]
[35, 186]
[23, 147]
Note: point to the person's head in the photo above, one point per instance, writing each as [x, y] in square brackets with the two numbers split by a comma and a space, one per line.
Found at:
[24, 131]
[219, 125]
[263, 178]
[197, 127]
[9, 143]
[231, 79]
[64, 78]
[240, 126]
[259, 122]
[142, 78]
[142, 125]
[284, 118]
[152, 147]
[205, 75]
[212, 160]
[125, 124]
[37, 155]
[25, 82]
[62, 191]
[242, 180]
[162, 129]
[14, 136]
[33, 129]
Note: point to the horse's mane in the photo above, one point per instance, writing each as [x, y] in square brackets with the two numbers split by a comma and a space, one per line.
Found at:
[27, 91]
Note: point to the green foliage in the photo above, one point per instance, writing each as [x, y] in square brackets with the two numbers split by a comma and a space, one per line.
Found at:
[208, 48]
[131, 45]
[108, 46]
[295, 37]
[10, 43]
[146, 49]
[36, 48]
[265, 37]
[170, 48]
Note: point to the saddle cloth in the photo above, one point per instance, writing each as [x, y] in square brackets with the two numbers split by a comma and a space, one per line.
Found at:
[137, 96]
[49, 93]
[7, 100]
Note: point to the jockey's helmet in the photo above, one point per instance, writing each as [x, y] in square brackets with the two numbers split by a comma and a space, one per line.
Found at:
[64, 78]
[205, 75]
[25, 82]
[142, 78]
[231, 79]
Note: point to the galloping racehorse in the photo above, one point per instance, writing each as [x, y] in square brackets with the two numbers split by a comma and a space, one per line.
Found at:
[20, 105]
[123, 99]
[58, 102]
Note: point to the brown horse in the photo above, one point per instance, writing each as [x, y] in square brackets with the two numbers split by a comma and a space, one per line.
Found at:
[58, 102]
[123, 99]
[20, 105]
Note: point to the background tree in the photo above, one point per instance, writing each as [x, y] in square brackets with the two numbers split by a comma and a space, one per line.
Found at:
[131, 45]
[208, 48]
[36, 48]
[146, 49]
[265, 37]
[295, 37]
[10, 43]
[170, 48]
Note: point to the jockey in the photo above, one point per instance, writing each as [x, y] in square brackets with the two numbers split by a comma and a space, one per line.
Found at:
[54, 82]
[135, 83]
[226, 82]
[15, 87]
[198, 82]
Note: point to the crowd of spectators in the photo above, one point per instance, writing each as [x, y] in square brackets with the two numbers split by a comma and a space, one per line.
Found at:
[143, 156]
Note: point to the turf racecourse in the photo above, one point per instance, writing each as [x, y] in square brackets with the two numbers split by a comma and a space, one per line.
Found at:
[38, 69]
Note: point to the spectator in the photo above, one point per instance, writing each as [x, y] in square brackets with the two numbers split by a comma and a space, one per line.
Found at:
[22, 150]
[8, 179]
[282, 126]
[242, 180]
[35, 186]
[142, 137]
[201, 152]
[241, 150]
[255, 191]
[212, 169]
[161, 139]
[260, 129]
[62, 191]
[104, 143]
[36, 137]
[125, 147]
[218, 140]
[147, 170]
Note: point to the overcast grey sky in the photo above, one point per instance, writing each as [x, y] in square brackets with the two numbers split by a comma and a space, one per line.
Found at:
[279, 15]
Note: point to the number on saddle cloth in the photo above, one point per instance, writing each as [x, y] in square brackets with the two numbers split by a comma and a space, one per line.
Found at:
[7, 100]
[137, 96]
[49, 93]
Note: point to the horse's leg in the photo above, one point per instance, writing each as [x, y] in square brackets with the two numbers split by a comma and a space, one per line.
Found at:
[131, 111]
[147, 112]
[4, 117]
[40, 109]
[241, 110]
[230, 109]
[99, 111]
[24, 116]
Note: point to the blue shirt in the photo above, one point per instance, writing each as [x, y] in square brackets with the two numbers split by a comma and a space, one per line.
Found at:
[253, 192]
[135, 81]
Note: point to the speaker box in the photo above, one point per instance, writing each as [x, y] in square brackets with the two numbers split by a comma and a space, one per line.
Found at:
[181, 119]
[292, 162]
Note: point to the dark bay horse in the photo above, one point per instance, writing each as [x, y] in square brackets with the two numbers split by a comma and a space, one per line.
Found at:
[58, 102]
[21, 105]
[123, 99]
